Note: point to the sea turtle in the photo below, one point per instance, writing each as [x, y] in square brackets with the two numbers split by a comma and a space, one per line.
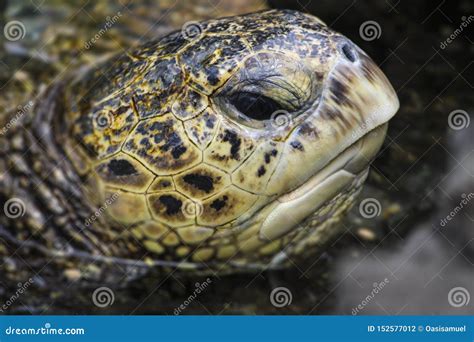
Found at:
[234, 143]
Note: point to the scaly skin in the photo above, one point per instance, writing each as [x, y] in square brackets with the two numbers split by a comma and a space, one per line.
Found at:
[163, 145]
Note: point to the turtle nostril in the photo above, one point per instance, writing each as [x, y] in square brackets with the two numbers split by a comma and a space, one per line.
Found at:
[349, 52]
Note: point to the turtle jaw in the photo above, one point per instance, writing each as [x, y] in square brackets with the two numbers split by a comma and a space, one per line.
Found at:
[349, 169]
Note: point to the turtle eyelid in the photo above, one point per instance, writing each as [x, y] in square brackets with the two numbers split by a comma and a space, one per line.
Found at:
[254, 106]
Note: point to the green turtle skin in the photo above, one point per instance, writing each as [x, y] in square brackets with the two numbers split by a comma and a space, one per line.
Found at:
[231, 144]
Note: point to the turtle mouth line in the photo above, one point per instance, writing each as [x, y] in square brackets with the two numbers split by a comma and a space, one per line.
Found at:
[348, 169]
[288, 210]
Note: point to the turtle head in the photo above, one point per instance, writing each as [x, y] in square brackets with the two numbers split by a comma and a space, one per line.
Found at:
[313, 106]
[221, 138]
[309, 88]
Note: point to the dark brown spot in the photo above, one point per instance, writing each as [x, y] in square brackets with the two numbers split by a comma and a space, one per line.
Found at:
[297, 145]
[201, 182]
[308, 130]
[210, 122]
[339, 92]
[165, 184]
[332, 114]
[261, 171]
[121, 167]
[234, 141]
[213, 75]
[268, 156]
[177, 151]
[218, 204]
[173, 205]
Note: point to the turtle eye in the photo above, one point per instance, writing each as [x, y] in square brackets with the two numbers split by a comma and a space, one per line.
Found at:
[254, 106]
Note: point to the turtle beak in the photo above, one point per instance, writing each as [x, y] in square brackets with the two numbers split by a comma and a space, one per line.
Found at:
[351, 119]
[360, 93]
